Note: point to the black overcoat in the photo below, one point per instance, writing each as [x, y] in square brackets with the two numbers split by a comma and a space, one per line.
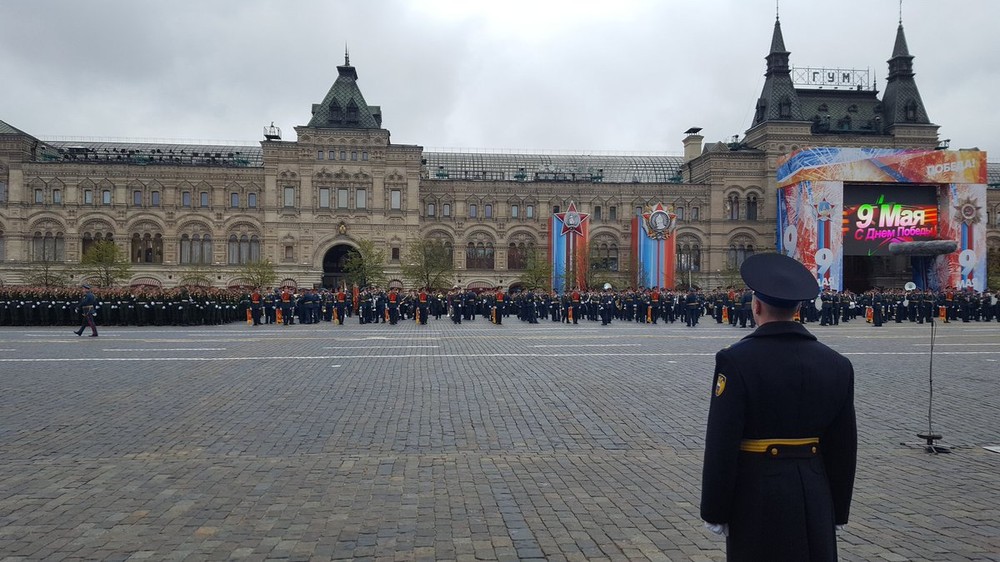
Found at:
[780, 383]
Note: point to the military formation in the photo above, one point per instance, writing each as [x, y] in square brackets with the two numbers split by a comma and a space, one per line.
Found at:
[193, 306]
[183, 306]
[375, 305]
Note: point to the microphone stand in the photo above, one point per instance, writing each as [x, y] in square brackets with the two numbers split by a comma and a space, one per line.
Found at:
[930, 437]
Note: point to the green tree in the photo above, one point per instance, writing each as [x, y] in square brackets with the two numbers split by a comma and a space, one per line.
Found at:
[538, 273]
[197, 274]
[46, 273]
[428, 263]
[105, 264]
[259, 273]
[993, 270]
[366, 266]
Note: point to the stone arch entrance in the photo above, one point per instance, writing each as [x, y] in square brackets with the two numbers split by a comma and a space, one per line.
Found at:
[334, 264]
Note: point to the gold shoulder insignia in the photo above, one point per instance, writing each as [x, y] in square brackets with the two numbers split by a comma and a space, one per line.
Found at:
[720, 384]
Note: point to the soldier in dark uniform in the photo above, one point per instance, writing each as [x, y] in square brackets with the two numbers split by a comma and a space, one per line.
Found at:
[781, 443]
[691, 303]
[86, 306]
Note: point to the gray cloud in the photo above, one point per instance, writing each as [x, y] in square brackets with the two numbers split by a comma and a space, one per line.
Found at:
[548, 74]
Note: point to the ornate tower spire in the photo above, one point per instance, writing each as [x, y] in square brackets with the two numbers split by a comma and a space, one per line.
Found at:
[901, 102]
[344, 106]
[778, 100]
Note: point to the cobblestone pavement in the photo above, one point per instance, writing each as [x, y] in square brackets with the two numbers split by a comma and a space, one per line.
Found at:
[452, 442]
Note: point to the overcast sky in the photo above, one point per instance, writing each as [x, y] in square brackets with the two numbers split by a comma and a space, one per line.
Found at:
[570, 75]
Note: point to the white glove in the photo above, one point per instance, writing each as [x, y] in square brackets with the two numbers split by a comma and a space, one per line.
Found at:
[839, 528]
[718, 528]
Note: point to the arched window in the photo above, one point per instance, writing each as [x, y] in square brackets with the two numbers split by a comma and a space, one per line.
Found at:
[688, 255]
[479, 255]
[470, 256]
[89, 239]
[234, 250]
[517, 255]
[48, 247]
[206, 249]
[739, 249]
[147, 248]
[241, 249]
[185, 249]
[733, 207]
[751, 207]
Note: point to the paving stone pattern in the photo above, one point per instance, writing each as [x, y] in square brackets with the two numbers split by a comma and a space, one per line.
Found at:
[442, 442]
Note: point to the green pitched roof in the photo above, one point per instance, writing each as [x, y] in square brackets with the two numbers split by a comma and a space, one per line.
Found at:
[6, 129]
[344, 107]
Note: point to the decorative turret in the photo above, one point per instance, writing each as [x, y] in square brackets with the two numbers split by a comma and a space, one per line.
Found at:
[344, 107]
[778, 100]
[901, 101]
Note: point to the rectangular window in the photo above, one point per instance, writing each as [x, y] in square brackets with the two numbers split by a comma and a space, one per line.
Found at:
[354, 155]
[513, 211]
[154, 198]
[289, 197]
[137, 198]
[234, 200]
[364, 155]
[324, 197]
[529, 211]
[694, 213]
[597, 213]
[430, 209]
[472, 211]
[446, 209]
[289, 253]
[555, 209]
[319, 154]
[333, 155]
[39, 196]
[204, 199]
[106, 196]
[252, 200]
[3, 192]
[361, 199]
[680, 213]
[88, 197]
[395, 199]
[186, 199]
[57, 196]
[343, 155]
[613, 213]
[488, 211]
[395, 254]
[342, 198]
[638, 211]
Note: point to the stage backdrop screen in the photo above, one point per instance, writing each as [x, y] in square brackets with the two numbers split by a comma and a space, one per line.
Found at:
[876, 215]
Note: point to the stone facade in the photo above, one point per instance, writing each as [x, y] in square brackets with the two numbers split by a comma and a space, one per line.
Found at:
[304, 204]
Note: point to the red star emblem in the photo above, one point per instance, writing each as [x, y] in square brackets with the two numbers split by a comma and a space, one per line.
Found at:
[572, 220]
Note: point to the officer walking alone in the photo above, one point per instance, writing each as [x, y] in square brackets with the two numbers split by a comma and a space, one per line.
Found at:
[86, 307]
[781, 443]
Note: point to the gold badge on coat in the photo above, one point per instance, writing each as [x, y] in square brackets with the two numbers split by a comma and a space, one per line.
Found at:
[720, 384]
